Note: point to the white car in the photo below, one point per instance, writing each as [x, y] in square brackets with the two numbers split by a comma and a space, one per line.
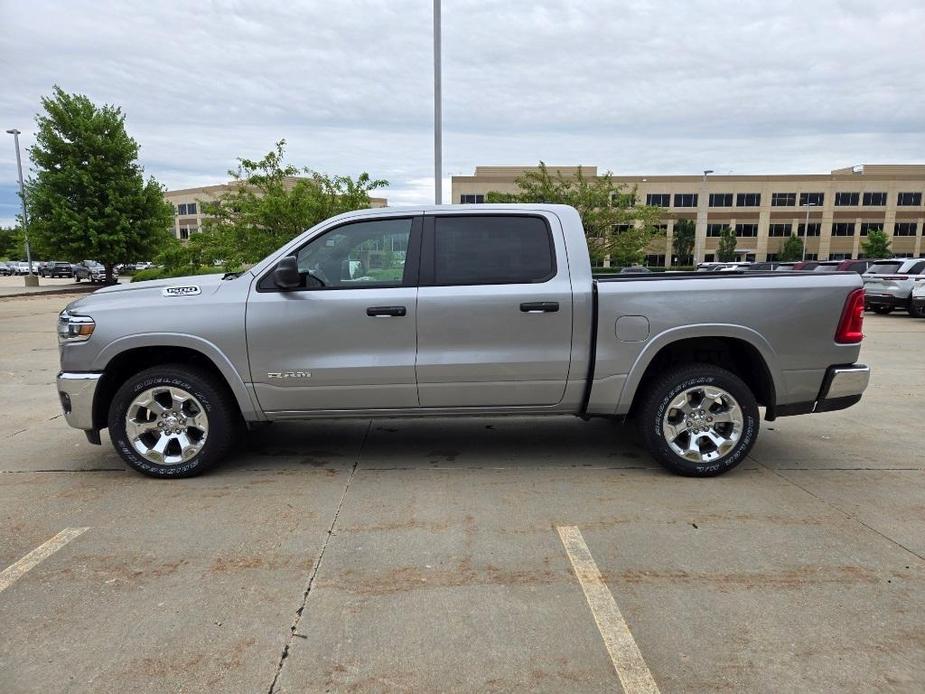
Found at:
[917, 302]
[888, 284]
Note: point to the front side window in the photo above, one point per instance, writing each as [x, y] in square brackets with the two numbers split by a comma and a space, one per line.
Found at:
[358, 255]
[507, 249]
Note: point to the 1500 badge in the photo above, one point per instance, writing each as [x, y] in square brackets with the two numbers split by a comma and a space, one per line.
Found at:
[189, 290]
[289, 374]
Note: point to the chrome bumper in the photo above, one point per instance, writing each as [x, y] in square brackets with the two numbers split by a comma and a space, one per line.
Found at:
[76, 392]
[842, 387]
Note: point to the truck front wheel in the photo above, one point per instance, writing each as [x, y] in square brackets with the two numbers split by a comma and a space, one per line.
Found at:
[172, 421]
[699, 420]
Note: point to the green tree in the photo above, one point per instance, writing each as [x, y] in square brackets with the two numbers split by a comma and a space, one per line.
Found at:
[615, 225]
[88, 198]
[11, 243]
[269, 203]
[877, 245]
[683, 241]
[792, 249]
[726, 251]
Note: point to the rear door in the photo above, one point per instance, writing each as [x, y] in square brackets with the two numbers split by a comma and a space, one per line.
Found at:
[346, 344]
[494, 311]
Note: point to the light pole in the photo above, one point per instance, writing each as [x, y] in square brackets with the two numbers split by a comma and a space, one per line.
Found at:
[806, 228]
[31, 280]
[700, 227]
[438, 111]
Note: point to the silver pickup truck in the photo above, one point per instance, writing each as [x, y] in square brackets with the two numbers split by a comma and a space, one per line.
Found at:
[468, 310]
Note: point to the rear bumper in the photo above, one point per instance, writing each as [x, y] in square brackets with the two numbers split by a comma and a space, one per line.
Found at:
[76, 392]
[842, 387]
[871, 300]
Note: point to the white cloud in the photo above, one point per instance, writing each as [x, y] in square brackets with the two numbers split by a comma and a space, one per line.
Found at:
[638, 87]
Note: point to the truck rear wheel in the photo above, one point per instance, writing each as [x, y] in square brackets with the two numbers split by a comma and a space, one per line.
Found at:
[699, 420]
[172, 421]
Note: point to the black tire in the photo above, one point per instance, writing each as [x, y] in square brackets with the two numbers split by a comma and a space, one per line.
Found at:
[883, 310]
[916, 311]
[666, 388]
[217, 403]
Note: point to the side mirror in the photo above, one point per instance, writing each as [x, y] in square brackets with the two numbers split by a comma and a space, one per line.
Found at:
[286, 275]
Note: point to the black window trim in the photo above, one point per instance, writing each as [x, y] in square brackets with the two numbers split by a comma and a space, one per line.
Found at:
[412, 259]
[428, 272]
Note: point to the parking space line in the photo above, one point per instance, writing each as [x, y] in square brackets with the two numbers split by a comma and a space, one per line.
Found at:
[14, 572]
[632, 670]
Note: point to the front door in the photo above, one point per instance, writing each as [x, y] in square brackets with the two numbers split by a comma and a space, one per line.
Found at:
[345, 339]
[494, 311]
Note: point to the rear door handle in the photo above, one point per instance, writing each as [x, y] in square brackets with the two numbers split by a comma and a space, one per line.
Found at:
[386, 311]
[540, 307]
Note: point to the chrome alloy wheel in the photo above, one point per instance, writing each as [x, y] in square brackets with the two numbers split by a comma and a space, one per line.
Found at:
[166, 425]
[702, 424]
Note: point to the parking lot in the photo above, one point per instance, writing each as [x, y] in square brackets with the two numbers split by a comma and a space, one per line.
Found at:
[434, 555]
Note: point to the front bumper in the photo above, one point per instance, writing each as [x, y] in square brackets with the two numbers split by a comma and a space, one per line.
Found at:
[76, 392]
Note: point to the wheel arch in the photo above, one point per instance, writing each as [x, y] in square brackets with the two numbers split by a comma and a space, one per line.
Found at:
[123, 358]
[740, 350]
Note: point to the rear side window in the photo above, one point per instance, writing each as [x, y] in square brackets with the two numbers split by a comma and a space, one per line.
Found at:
[476, 249]
[916, 269]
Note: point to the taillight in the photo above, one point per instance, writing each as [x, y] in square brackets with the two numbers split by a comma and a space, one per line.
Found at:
[850, 327]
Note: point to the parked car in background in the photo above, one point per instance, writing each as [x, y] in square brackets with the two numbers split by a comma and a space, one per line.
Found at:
[5, 268]
[92, 271]
[57, 268]
[766, 266]
[917, 302]
[143, 265]
[633, 268]
[889, 286]
[21, 267]
[859, 266]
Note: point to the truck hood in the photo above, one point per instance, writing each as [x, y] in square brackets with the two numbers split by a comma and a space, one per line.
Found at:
[166, 289]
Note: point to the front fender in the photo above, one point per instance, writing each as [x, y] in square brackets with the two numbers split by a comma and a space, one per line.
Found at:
[246, 402]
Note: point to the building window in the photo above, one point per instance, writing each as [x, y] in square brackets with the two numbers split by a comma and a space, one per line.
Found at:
[906, 199]
[748, 200]
[184, 233]
[620, 228]
[720, 199]
[780, 230]
[772, 257]
[747, 230]
[847, 199]
[843, 229]
[813, 229]
[471, 199]
[685, 199]
[812, 199]
[812, 256]
[867, 227]
[654, 260]
[839, 256]
[715, 230]
[905, 229]
[783, 199]
[875, 199]
[658, 199]
[661, 229]
[186, 208]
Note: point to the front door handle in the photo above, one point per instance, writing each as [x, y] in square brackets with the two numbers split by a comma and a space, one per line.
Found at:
[386, 311]
[540, 307]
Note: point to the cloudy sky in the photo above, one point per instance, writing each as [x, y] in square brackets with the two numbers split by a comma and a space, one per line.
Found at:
[637, 87]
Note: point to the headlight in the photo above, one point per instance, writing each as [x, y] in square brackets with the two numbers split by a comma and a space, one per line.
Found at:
[74, 328]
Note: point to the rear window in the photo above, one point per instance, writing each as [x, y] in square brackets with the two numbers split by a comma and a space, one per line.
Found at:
[476, 249]
[884, 268]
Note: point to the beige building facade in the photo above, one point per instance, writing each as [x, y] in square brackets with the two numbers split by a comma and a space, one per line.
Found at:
[841, 207]
[187, 203]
